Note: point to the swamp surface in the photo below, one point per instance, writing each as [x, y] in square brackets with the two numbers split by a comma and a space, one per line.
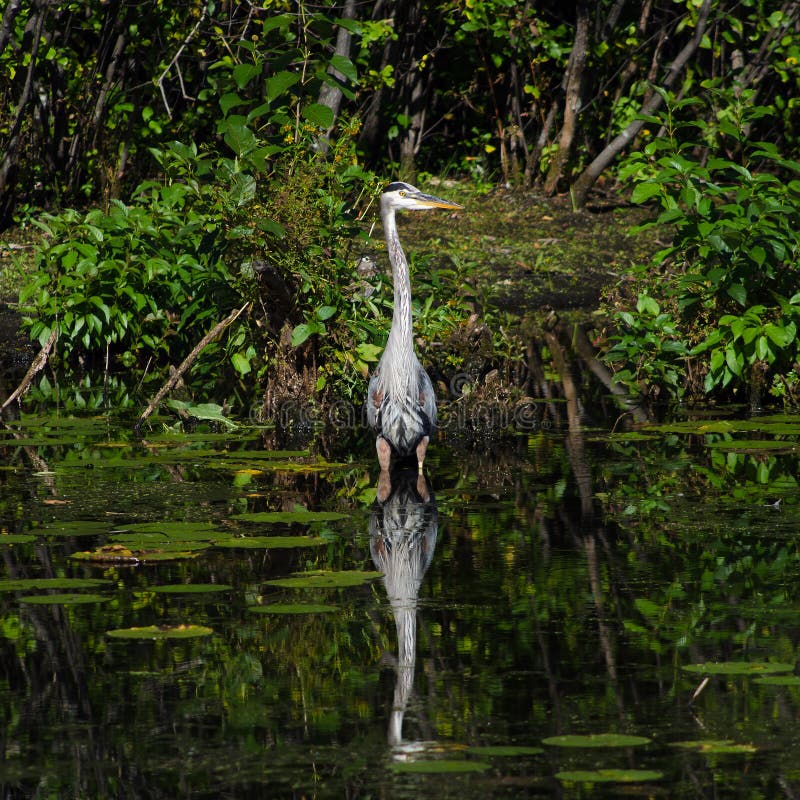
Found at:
[598, 610]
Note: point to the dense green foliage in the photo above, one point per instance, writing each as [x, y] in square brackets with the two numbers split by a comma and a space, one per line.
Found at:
[483, 87]
[720, 309]
[232, 161]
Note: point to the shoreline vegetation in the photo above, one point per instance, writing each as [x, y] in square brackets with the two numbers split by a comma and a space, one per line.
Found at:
[628, 199]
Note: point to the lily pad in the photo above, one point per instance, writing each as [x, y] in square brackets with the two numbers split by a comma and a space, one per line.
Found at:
[596, 740]
[150, 542]
[72, 528]
[292, 608]
[156, 632]
[325, 580]
[298, 515]
[609, 776]
[715, 746]
[779, 680]
[191, 588]
[738, 667]
[256, 542]
[122, 554]
[440, 766]
[505, 750]
[26, 584]
[268, 455]
[753, 445]
[63, 599]
[176, 531]
[16, 538]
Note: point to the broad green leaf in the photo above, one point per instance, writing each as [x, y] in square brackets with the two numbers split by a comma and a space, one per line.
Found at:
[440, 766]
[279, 83]
[64, 599]
[345, 66]
[738, 668]
[166, 632]
[609, 776]
[319, 115]
[292, 608]
[596, 740]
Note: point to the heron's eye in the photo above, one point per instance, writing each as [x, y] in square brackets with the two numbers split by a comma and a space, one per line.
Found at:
[402, 193]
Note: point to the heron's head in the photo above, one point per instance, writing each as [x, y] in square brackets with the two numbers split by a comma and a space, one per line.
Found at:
[400, 195]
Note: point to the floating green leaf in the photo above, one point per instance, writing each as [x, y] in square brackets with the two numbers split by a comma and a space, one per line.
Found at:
[752, 445]
[191, 588]
[122, 554]
[156, 632]
[325, 580]
[271, 542]
[292, 608]
[178, 531]
[63, 599]
[505, 750]
[715, 746]
[298, 515]
[596, 740]
[779, 680]
[440, 766]
[16, 538]
[26, 584]
[72, 528]
[738, 667]
[609, 776]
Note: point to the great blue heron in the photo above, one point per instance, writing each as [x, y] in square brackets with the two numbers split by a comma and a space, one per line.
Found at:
[401, 405]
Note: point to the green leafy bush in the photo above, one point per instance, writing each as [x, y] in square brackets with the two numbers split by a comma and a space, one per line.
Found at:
[732, 268]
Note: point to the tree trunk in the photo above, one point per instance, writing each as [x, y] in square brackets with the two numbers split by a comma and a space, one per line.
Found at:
[580, 189]
[331, 94]
[9, 163]
[572, 101]
[7, 25]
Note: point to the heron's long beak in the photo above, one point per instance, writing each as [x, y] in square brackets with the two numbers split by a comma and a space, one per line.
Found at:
[435, 202]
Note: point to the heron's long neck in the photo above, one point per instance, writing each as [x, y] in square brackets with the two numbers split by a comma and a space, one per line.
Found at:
[401, 333]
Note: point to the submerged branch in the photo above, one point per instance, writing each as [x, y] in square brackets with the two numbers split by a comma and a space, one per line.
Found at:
[188, 361]
[36, 366]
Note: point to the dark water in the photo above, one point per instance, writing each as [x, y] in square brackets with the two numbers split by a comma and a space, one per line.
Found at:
[557, 585]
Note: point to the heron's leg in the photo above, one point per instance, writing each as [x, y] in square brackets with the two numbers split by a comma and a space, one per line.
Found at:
[384, 485]
[422, 448]
[384, 453]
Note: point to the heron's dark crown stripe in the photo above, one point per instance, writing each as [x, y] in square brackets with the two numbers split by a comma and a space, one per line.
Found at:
[396, 186]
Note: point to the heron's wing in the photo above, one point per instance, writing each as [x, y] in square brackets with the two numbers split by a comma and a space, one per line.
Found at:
[427, 398]
[374, 399]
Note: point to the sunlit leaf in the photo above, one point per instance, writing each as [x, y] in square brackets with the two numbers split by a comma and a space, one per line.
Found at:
[298, 515]
[433, 767]
[63, 599]
[270, 542]
[190, 588]
[596, 740]
[609, 776]
[505, 751]
[26, 584]
[325, 580]
[155, 632]
[738, 667]
[779, 680]
[715, 746]
[16, 538]
[292, 608]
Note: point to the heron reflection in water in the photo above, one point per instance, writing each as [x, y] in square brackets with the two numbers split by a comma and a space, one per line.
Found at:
[401, 406]
[402, 538]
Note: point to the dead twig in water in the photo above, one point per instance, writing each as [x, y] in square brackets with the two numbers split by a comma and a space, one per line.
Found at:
[187, 362]
[36, 366]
